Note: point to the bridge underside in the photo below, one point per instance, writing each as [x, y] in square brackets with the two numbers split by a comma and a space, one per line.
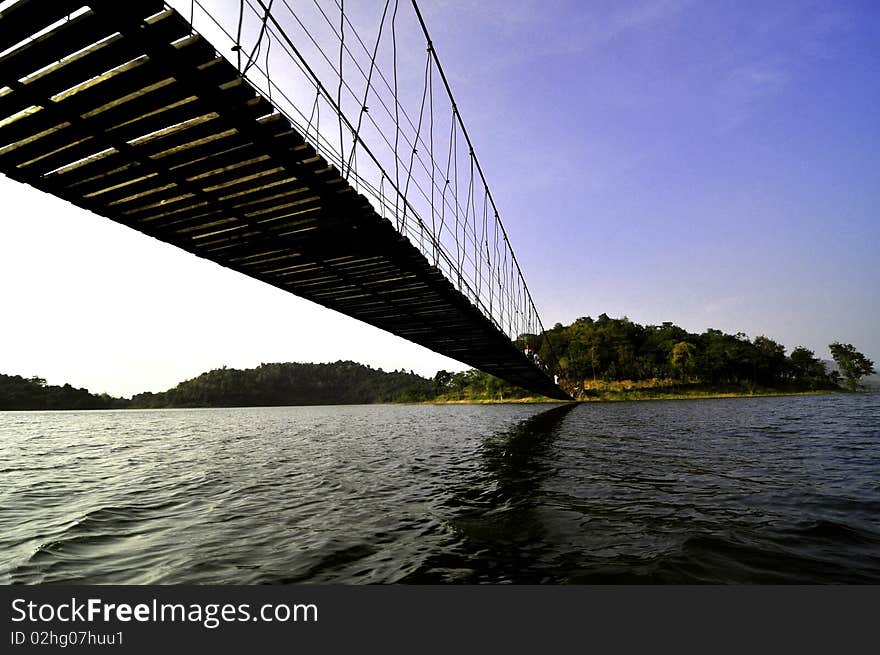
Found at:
[147, 126]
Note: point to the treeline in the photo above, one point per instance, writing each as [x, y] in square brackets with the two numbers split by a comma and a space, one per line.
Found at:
[17, 392]
[614, 349]
[339, 383]
[584, 355]
[474, 385]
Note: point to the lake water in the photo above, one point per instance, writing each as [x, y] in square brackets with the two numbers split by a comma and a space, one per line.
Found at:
[763, 490]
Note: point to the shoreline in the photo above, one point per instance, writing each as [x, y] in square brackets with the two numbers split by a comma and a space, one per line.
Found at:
[618, 397]
[613, 397]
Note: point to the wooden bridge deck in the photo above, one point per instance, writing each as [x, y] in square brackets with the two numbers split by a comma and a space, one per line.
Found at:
[146, 125]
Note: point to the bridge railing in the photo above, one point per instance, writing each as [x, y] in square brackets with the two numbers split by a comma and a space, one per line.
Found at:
[364, 84]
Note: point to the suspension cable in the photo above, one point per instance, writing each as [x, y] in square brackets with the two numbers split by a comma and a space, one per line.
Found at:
[464, 132]
[466, 218]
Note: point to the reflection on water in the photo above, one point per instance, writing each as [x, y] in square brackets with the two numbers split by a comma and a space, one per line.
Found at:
[744, 490]
[494, 514]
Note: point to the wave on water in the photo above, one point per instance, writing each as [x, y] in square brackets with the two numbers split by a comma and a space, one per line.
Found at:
[762, 491]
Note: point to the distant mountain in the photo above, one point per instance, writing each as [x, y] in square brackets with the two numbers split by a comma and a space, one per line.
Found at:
[339, 383]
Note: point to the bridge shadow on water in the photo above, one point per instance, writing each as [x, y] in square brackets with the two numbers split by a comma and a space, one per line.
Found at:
[517, 518]
[497, 533]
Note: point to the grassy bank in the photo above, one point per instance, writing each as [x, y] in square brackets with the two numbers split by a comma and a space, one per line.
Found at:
[486, 400]
[668, 389]
[631, 390]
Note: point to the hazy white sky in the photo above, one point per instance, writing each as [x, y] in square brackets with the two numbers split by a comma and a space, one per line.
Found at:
[98, 305]
[716, 166]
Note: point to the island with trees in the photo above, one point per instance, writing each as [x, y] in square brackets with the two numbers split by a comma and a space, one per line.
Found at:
[594, 359]
[615, 358]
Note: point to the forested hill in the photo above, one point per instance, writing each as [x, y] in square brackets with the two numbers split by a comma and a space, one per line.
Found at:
[615, 349]
[339, 383]
[17, 392]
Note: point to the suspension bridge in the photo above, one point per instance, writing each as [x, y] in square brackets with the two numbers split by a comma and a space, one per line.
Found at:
[376, 207]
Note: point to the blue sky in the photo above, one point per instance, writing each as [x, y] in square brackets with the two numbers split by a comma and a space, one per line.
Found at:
[712, 164]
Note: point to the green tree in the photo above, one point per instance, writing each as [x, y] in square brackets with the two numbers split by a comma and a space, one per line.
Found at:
[806, 370]
[683, 359]
[442, 381]
[769, 363]
[852, 364]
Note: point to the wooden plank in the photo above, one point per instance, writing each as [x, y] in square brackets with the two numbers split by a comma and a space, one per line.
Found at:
[40, 143]
[151, 191]
[168, 198]
[121, 184]
[202, 157]
[373, 284]
[26, 125]
[57, 140]
[181, 148]
[219, 197]
[70, 151]
[161, 56]
[145, 183]
[168, 217]
[185, 218]
[89, 175]
[151, 111]
[92, 62]
[223, 155]
[28, 17]
[262, 210]
[219, 180]
[169, 112]
[122, 85]
[85, 178]
[126, 81]
[274, 182]
[76, 34]
[182, 136]
[198, 208]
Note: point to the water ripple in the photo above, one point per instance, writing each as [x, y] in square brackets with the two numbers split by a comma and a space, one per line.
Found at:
[783, 490]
